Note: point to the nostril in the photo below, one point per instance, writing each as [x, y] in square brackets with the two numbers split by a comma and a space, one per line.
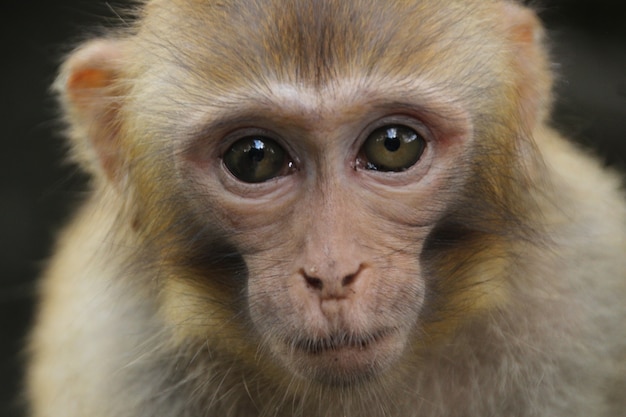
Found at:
[349, 279]
[330, 285]
[313, 282]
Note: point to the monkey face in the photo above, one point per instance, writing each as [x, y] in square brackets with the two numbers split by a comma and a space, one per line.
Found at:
[325, 183]
[320, 173]
[329, 207]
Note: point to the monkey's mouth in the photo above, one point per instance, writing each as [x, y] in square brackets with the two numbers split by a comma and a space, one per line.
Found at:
[340, 341]
[344, 357]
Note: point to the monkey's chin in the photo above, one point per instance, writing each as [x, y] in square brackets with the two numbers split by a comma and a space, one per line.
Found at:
[344, 359]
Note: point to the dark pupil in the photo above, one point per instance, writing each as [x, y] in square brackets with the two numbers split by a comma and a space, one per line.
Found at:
[392, 142]
[257, 153]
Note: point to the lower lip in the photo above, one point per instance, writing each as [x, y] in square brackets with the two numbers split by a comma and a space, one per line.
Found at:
[323, 347]
[346, 362]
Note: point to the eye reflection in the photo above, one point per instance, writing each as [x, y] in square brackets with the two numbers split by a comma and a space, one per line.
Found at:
[256, 159]
[392, 148]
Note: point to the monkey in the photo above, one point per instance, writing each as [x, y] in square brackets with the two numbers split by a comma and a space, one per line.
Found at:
[329, 208]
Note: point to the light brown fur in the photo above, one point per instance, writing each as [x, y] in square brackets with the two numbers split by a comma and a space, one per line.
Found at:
[486, 280]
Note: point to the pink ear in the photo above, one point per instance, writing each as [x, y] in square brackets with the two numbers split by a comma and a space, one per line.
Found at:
[534, 78]
[89, 85]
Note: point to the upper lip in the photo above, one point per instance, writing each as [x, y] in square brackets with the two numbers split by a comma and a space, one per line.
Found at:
[340, 340]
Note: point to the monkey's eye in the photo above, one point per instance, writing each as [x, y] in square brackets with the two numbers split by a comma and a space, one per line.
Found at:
[255, 159]
[392, 148]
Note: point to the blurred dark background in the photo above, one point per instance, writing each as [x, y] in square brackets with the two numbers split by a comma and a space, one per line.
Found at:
[38, 191]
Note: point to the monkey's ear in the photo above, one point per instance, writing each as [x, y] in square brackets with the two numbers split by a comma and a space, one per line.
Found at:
[91, 93]
[534, 78]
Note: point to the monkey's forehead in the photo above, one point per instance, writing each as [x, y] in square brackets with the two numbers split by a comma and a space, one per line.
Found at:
[314, 42]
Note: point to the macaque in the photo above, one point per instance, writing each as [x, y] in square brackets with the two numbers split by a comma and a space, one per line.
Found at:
[324, 208]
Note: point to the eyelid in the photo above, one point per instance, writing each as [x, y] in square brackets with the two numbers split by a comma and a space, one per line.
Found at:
[232, 137]
[229, 139]
[395, 119]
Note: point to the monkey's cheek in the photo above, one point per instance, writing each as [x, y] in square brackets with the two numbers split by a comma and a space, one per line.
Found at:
[337, 361]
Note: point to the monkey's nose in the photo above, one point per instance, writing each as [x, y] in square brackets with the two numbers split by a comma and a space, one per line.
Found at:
[331, 284]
